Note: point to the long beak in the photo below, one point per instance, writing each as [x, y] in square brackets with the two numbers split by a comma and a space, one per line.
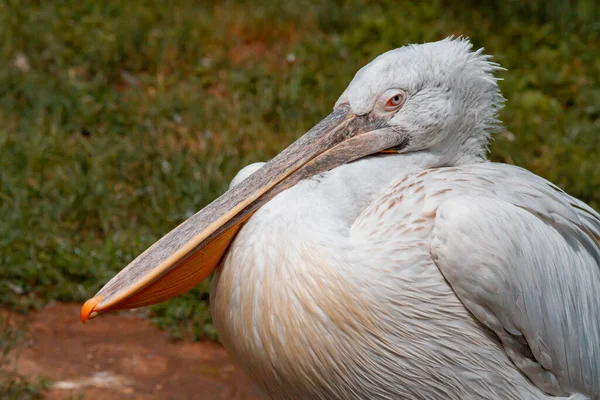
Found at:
[190, 252]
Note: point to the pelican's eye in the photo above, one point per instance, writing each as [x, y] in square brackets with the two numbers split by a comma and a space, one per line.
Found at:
[395, 100]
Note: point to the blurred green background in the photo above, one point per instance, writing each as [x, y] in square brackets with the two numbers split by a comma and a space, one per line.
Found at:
[119, 119]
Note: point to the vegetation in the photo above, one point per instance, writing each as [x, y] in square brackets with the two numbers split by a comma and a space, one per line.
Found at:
[119, 119]
[12, 385]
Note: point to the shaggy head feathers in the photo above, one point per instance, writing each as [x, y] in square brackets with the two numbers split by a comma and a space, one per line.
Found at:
[452, 93]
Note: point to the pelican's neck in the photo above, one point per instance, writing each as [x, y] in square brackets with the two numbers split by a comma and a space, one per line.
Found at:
[350, 188]
[344, 192]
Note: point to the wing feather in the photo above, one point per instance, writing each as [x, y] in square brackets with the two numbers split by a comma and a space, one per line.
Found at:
[528, 272]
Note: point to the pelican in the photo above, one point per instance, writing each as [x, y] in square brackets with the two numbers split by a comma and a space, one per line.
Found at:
[381, 256]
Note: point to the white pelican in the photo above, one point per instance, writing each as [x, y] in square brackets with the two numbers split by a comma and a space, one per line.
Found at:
[381, 256]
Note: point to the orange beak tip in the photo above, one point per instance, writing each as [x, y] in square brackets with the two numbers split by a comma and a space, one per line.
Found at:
[87, 311]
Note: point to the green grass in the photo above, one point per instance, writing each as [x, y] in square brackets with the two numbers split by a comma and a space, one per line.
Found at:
[120, 119]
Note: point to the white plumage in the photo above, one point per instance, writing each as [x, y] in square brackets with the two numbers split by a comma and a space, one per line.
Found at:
[429, 274]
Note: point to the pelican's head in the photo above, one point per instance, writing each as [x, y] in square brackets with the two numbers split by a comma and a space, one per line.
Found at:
[429, 97]
[433, 93]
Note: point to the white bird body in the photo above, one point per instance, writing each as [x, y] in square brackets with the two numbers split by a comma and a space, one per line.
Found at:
[331, 291]
[425, 272]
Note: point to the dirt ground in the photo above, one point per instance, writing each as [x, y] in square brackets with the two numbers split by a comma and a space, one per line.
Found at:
[124, 357]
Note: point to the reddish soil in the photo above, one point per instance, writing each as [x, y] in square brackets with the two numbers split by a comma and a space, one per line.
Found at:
[124, 357]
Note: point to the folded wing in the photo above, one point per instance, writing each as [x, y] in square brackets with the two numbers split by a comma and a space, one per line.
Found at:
[530, 271]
